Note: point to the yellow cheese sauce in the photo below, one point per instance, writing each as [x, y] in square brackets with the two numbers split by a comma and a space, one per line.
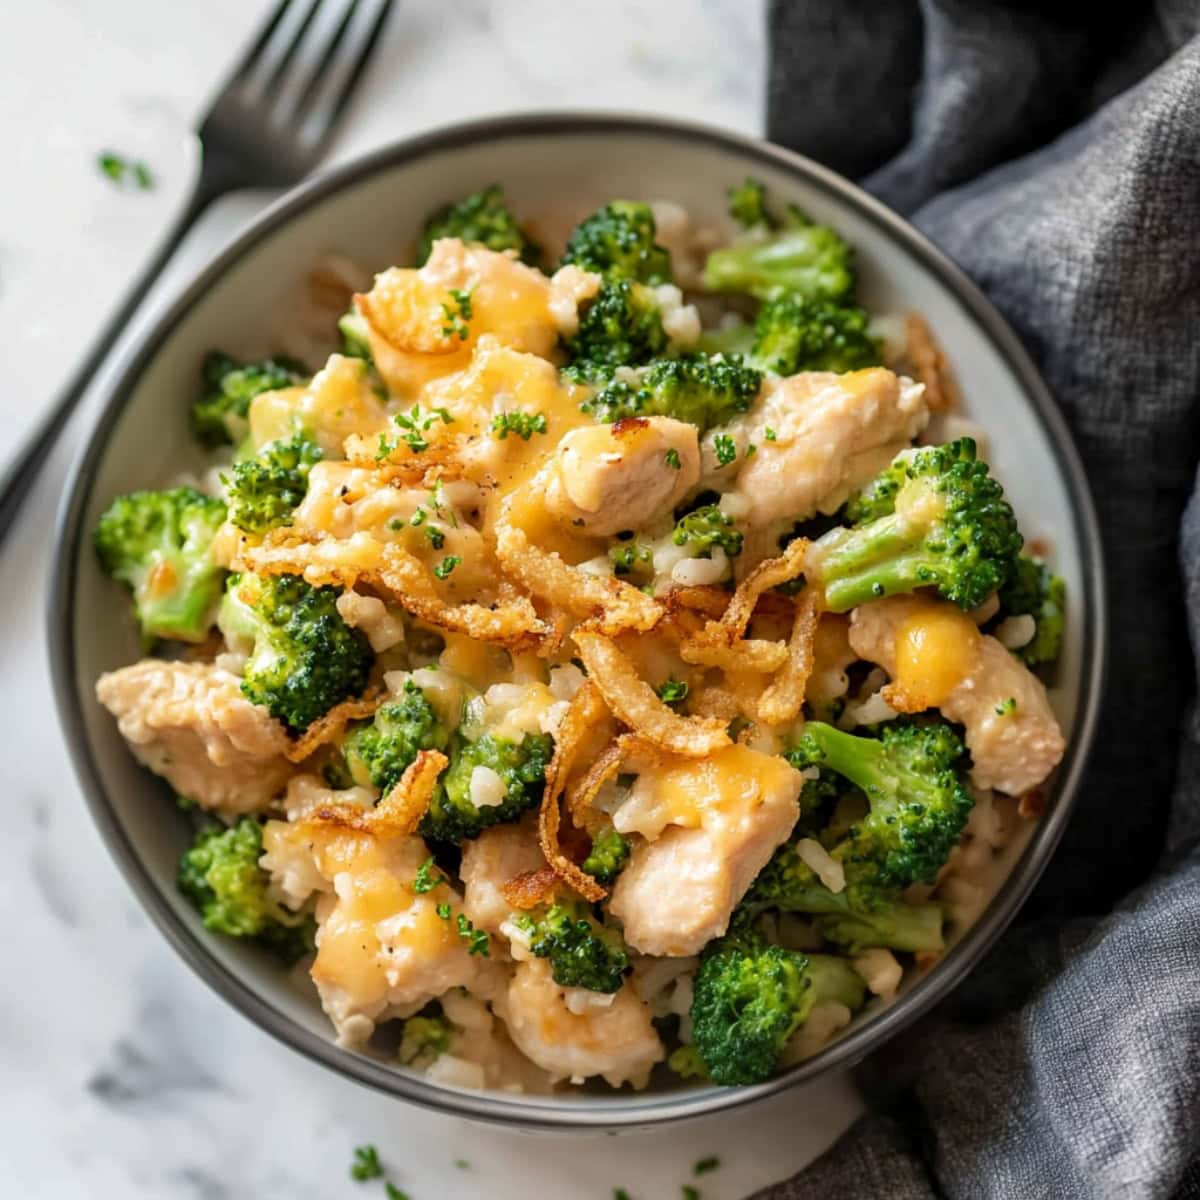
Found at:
[936, 648]
[683, 791]
[370, 887]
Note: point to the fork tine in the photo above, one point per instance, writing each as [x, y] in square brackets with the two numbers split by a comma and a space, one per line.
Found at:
[328, 59]
[246, 65]
[281, 65]
[327, 119]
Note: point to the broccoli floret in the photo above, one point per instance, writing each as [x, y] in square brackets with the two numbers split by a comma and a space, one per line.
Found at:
[950, 528]
[621, 327]
[265, 490]
[706, 527]
[220, 875]
[749, 998]
[798, 256]
[607, 857]
[914, 778]
[794, 334]
[426, 1036]
[160, 545]
[686, 1062]
[356, 342]
[582, 952]
[862, 914]
[484, 219]
[1035, 589]
[379, 751]
[618, 241]
[303, 657]
[878, 498]
[219, 417]
[703, 389]
[633, 561]
[453, 817]
[748, 204]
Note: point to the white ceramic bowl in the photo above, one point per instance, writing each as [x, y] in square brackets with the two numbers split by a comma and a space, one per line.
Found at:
[370, 210]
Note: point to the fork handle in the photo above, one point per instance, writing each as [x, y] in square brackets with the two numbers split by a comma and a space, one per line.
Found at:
[18, 479]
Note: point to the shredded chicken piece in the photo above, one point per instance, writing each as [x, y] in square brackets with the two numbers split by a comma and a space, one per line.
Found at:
[1014, 746]
[683, 883]
[498, 855]
[614, 477]
[190, 723]
[617, 1042]
[833, 433]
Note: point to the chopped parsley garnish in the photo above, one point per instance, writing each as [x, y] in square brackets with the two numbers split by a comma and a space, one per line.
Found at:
[443, 911]
[725, 448]
[366, 1164]
[416, 423]
[751, 450]
[672, 691]
[476, 939]
[118, 169]
[672, 459]
[524, 425]
[769, 434]
[457, 314]
[427, 877]
[437, 539]
[1006, 707]
[443, 569]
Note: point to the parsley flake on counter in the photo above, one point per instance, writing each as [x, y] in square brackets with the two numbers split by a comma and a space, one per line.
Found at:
[119, 170]
[706, 1164]
[366, 1164]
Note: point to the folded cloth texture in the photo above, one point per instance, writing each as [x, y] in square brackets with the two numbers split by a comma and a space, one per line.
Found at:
[1053, 150]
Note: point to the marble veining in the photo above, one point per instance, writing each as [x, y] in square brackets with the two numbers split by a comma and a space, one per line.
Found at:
[123, 1075]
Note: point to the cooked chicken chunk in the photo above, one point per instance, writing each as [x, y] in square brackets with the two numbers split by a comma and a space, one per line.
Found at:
[418, 325]
[1011, 731]
[190, 723]
[832, 433]
[490, 861]
[613, 477]
[382, 949]
[711, 825]
[613, 1039]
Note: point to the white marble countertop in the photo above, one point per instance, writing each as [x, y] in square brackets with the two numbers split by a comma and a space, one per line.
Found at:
[123, 1075]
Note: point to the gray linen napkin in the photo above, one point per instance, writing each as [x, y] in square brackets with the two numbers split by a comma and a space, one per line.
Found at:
[1053, 149]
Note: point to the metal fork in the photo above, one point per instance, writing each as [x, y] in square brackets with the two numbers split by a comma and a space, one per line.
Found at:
[267, 128]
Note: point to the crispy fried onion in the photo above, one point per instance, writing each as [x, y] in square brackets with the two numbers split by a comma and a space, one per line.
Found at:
[769, 573]
[403, 465]
[617, 605]
[782, 700]
[929, 364]
[399, 576]
[750, 654]
[586, 708]
[628, 750]
[329, 727]
[531, 888]
[399, 812]
[636, 703]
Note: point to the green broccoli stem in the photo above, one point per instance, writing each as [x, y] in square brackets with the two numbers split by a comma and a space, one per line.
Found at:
[885, 558]
[896, 925]
[835, 980]
[862, 760]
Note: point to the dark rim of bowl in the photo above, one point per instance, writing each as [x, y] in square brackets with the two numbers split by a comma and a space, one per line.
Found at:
[622, 1109]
